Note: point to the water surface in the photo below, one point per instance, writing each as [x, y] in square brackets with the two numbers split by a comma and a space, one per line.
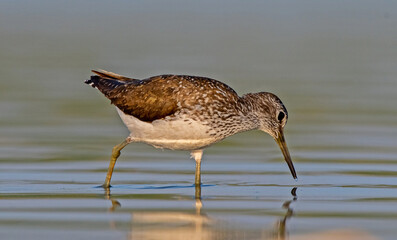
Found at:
[332, 63]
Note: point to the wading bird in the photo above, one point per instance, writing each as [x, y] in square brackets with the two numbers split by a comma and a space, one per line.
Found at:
[182, 112]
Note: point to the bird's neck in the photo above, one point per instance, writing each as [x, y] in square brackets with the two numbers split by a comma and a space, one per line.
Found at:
[241, 117]
[247, 106]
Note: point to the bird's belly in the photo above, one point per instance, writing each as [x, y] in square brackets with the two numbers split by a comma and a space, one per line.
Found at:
[177, 144]
[177, 134]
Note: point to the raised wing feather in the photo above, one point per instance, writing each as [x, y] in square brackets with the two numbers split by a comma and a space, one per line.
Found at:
[111, 75]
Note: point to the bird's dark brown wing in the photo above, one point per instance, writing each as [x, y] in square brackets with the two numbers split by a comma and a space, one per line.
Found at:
[147, 100]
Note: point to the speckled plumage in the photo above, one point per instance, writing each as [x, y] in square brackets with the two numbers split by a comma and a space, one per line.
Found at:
[187, 112]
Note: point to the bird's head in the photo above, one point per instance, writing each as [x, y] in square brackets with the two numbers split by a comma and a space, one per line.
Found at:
[272, 117]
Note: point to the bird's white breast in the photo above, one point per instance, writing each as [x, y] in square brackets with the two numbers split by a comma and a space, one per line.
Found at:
[178, 134]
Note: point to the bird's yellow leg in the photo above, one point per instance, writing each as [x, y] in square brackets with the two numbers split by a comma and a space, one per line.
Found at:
[197, 192]
[197, 154]
[115, 154]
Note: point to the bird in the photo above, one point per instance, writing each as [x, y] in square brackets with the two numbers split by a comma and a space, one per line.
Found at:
[183, 112]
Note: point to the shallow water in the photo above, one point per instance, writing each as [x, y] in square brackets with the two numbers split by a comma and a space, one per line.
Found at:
[332, 63]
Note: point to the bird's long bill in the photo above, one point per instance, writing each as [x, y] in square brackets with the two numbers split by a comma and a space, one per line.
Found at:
[283, 146]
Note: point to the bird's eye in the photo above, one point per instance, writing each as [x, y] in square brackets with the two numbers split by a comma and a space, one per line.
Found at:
[281, 116]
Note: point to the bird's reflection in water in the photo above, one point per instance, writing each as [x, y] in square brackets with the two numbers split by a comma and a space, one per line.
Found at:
[115, 203]
[280, 230]
[172, 225]
[197, 225]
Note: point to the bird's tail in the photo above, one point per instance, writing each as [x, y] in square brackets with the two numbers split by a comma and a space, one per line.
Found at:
[106, 81]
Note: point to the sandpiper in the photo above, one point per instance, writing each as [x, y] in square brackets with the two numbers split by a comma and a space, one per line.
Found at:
[182, 112]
